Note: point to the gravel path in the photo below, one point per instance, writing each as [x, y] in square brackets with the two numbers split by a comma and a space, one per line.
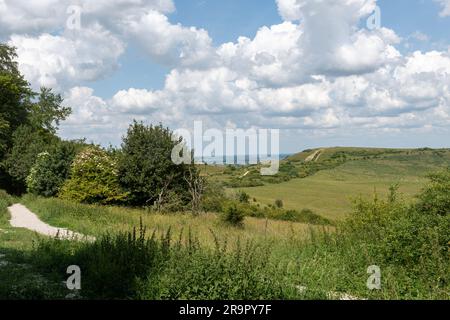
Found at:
[21, 217]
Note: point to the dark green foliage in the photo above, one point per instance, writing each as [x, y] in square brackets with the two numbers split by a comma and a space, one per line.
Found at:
[198, 274]
[243, 197]
[28, 121]
[5, 201]
[397, 233]
[27, 144]
[93, 178]
[48, 111]
[214, 197]
[279, 203]
[435, 198]
[275, 213]
[14, 102]
[304, 216]
[110, 266]
[146, 169]
[135, 266]
[52, 169]
[14, 97]
[244, 183]
[233, 216]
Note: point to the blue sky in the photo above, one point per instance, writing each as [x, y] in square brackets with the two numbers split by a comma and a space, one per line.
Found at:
[228, 20]
[307, 67]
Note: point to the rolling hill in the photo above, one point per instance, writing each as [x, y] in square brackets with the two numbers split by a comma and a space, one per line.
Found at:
[325, 179]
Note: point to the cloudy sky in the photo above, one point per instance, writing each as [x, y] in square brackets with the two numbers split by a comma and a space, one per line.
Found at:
[325, 72]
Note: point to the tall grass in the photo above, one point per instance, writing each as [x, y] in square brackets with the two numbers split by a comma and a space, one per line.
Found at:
[133, 266]
[5, 201]
[410, 249]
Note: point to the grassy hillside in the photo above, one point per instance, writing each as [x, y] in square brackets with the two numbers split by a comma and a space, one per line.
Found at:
[200, 257]
[326, 180]
[214, 261]
[99, 220]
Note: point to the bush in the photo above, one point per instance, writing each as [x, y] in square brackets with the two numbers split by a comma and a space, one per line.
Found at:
[243, 197]
[214, 198]
[171, 203]
[51, 170]
[400, 234]
[275, 213]
[28, 143]
[279, 203]
[146, 169]
[233, 216]
[435, 198]
[93, 179]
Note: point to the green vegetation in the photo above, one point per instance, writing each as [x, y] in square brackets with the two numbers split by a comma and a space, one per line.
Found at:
[93, 178]
[18, 278]
[435, 200]
[157, 262]
[51, 169]
[288, 236]
[329, 192]
[146, 170]
[233, 216]
[99, 220]
[28, 122]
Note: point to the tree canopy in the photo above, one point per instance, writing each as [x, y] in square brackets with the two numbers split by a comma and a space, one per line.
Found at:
[23, 112]
[146, 169]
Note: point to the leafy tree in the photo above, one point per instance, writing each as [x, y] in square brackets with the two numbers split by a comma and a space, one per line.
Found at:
[93, 178]
[28, 121]
[146, 169]
[52, 169]
[27, 144]
[15, 96]
[7, 59]
[48, 111]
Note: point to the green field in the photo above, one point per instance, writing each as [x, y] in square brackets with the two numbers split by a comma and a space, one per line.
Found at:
[329, 192]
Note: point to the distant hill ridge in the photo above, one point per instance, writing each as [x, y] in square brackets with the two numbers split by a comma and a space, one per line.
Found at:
[323, 154]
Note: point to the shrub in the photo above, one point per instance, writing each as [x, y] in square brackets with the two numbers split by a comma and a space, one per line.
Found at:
[243, 197]
[146, 169]
[279, 203]
[27, 144]
[171, 203]
[51, 170]
[399, 234]
[435, 198]
[214, 198]
[233, 216]
[93, 179]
